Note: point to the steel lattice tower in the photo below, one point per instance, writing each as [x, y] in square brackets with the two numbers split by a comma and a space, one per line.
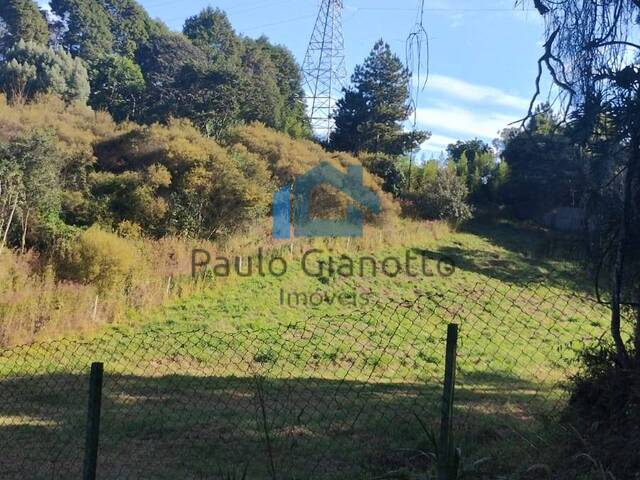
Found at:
[324, 67]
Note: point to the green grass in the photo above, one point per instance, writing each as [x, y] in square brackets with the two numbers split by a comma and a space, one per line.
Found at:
[232, 379]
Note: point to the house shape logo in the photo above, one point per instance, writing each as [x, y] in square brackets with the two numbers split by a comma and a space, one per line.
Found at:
[349, 183]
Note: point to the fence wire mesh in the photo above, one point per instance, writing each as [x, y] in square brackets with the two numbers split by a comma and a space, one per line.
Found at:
[341, 397]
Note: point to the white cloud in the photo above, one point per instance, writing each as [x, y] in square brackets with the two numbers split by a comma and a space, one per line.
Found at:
[470, 92]
[457, 120]
[438, 142]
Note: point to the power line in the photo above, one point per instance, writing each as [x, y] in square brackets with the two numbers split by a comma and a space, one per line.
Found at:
[305, 17]
[435, 9]
[417, 61]
[234, 9]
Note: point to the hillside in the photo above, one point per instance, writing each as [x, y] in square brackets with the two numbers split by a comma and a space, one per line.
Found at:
[379, 359]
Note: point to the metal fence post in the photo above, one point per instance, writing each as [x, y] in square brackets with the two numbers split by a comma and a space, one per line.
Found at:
[446, 449]
[93, 422]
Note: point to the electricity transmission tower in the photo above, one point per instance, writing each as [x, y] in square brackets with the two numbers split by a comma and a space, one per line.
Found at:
[324, 67]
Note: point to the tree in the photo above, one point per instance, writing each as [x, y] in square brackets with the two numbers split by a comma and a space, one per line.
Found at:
[11, 192]
[475, 163]
[30, 192]
[472, 148]
[212, 32]
[117, 85]
[388, 169]
[545, 171]
[293, 117]
[370, 116]
[31, 69]
[261, 99]
[129, 24]
[161, 61]
[592, 58]
[209, 97]
[23, 21]
[87, 28]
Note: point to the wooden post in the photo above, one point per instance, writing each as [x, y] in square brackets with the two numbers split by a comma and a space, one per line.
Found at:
[95, 309]
[446, 450]
[93, 422]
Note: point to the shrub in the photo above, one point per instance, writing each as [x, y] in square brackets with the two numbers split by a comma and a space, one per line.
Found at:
[76, 126]
[100, 258]
[444, 198]
[171, 179]
[605, 409]
[287, 158]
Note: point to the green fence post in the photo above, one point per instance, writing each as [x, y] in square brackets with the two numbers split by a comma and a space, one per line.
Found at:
[446, 450]
[93, 422]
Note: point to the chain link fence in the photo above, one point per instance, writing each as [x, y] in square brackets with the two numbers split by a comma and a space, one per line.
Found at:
[346, 397]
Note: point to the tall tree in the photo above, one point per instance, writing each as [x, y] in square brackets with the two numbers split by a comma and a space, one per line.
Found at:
[86, 26]
[472, 148]
[209, 97]
[261, 98]
[211, 30]
[293, 118]
[130, 25]
[475, 163]
[371, 114]
[30, 168]
[161, 60]
[544, 169]
[23, 21]
[182, 82]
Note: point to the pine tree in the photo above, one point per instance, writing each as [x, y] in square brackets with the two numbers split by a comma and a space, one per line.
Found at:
[371, 114]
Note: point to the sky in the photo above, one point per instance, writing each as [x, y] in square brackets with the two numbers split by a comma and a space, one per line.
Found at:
[482, 56]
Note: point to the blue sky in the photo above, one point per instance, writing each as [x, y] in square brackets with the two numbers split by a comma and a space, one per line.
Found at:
[482, 52]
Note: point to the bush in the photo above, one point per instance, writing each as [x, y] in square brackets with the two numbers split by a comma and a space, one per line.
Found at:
[76, 126]
[172, 180]
[605, 408]
[444, 198]
[99, 258]
[288, 158]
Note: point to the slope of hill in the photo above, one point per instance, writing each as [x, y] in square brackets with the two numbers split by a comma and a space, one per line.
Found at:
[367, 354]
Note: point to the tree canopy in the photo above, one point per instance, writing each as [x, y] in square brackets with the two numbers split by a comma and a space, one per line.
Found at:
[23, 21]
[31, 69]
[140, 70]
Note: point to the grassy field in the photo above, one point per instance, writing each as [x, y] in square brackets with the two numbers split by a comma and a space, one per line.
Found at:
[233, 379]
